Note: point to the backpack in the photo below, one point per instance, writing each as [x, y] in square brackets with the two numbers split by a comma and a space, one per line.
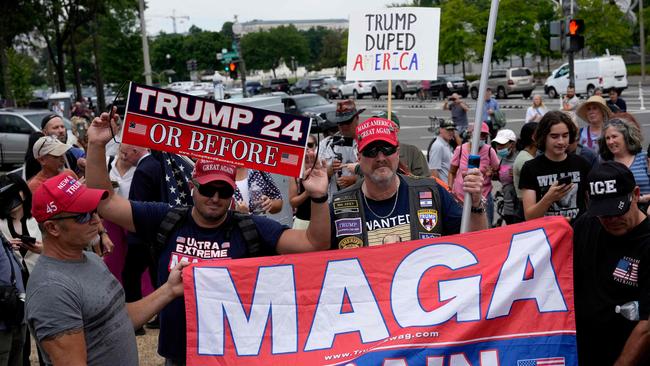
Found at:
[176, 217]
[499, 120]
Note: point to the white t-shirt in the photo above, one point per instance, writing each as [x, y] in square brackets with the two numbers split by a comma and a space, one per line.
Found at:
[534, 112]
[440, 157]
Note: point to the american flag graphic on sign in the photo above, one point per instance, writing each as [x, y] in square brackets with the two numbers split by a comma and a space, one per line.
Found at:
[177, 175]
[289, 159]
[137, 128]
[627, 270]
[549, 361]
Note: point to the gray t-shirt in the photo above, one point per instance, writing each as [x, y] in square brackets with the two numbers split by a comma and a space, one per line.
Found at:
[440, 157]
[458, 115]
[64, 295]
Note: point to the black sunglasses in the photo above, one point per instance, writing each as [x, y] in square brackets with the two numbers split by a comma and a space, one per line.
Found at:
[371, 152]
[311, 145]
[82, 218]
[208, 190]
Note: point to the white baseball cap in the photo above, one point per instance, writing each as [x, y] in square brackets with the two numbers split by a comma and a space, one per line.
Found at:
[505, 136]
[49, 145]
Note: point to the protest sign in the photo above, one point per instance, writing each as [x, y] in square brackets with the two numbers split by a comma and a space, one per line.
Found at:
[394, 44]
[201, 128]
[497, 297]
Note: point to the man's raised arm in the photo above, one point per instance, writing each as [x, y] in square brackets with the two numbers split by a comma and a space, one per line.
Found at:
[115, 208]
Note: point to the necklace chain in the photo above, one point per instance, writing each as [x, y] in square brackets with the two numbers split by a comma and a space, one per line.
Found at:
[391, 211]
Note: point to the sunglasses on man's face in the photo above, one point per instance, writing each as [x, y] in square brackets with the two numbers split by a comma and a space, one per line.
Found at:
[209, 190]
[82, 218]
[371, 152]
[311, 145]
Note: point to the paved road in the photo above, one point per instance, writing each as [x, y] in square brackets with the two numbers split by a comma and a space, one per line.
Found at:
[414, 115]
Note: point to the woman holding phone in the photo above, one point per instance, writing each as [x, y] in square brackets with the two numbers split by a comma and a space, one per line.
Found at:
[554, 183]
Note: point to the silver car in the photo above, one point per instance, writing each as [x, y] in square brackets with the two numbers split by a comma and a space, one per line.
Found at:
[16, 125]
[503, 82]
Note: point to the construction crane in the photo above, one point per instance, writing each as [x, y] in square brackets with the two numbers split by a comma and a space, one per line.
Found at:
[173, 17]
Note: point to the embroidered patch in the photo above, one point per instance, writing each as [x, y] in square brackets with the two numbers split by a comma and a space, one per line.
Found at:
[627, 271]
[428, 218]
[428, 235]
[348, 226]
[350, 242]
[345, 204]
[346, 210]
[426, 194]
[426, 203]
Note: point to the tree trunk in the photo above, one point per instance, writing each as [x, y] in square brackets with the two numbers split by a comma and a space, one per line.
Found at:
[444, 68]
[4, 66]
[548, 64]
[273, 69]
[453, 68]
[75, 68]
[522, 60]
[464, 75]
[59, 64]
[99, 81]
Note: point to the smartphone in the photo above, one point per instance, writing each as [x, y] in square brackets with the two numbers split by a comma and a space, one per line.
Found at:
[474, 161]
[27, 241]
[564, 180]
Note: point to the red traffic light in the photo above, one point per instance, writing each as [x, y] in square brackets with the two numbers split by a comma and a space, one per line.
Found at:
[232, 66]
[576, 27]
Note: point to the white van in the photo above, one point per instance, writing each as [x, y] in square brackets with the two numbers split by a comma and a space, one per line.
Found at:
[607, 72]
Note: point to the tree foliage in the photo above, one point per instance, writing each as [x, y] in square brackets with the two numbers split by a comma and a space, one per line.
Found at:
[266, 50]
[605, 27]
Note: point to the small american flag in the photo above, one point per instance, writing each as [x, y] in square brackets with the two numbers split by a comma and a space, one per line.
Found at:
[289, 158]
[137, 128]
[626, 270]
[180, 239]
[177, 175]
[549, 361]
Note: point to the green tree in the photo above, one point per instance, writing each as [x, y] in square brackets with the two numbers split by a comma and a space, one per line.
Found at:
[266, 50]
[457, 35]
[605, 27]
[20, 70]
[332, 50]
[314, 37]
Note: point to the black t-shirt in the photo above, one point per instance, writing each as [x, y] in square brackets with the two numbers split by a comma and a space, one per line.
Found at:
[540, 173]
[608, 271]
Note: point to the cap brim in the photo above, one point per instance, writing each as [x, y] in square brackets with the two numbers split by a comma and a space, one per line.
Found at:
[205, 179]
[348, 118]
[501, 141]
[611, 206]
[58, 150]
[87, 201]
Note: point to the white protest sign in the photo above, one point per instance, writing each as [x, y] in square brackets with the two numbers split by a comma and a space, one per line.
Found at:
[394, 44]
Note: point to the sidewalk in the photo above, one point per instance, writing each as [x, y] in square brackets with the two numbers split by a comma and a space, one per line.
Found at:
[633, 80]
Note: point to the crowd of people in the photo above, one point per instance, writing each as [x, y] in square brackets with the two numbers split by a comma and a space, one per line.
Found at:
[95, 236]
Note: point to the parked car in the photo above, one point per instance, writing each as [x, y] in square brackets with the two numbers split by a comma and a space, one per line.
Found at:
[310, 105]
[307, 85]
[503, 82]
[446, 85]
[355, 89]
[607, 73]
[330, 88]
[15, 127]
[277, 85]
[253, 87]
[400, 88]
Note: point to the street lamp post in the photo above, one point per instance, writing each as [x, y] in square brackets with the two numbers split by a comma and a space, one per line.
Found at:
[168, 57]
[238, 31]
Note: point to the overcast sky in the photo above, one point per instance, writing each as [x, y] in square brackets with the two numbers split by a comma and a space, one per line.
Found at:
[211, 14]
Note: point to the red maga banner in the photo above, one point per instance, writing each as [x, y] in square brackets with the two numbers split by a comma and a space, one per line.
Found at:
[497, 297]
[202, 128]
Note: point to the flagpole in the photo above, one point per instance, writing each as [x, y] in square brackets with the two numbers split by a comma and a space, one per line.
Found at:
[480, 105]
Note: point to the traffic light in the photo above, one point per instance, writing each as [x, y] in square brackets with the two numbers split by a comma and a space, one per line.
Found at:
[556, 29]
[576, 41]
[232, 68]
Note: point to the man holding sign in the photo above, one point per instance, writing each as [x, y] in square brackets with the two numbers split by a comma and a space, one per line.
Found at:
[386, 207]
[206, 231]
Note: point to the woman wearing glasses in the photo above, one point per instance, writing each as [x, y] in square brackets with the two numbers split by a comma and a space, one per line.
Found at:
[622, 142]
[298, 197]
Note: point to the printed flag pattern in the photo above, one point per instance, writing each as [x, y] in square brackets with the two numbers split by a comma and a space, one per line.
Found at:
[552, 361]
[137, 128]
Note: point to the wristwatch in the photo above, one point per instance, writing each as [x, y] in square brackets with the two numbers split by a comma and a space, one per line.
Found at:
[481, 207]
[322, 199]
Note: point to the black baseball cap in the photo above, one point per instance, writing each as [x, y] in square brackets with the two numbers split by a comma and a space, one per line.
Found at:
[610, 188]
[448, 124]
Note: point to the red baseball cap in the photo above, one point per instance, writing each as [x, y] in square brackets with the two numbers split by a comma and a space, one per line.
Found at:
[376, 129]
[64, 193]
[206, 171]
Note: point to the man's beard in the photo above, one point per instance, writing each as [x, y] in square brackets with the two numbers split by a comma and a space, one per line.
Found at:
[382, 180]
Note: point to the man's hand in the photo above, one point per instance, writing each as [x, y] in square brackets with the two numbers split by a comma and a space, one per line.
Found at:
[336, 165]
[346, 180]
[316, 180]
[81, 162]
[473, 184]
[241, 206]
[99, 131]
[265, 203]
[557, 191]
[175, 279]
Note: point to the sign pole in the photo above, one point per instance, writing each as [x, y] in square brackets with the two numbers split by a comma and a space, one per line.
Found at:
[390, 98]
[480, 105]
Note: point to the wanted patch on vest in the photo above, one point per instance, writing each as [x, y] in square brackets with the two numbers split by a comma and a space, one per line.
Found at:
[428, 218]
[351, 226]
[350, 242]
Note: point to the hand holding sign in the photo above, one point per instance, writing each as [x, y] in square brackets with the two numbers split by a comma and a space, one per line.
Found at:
[99, 131]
